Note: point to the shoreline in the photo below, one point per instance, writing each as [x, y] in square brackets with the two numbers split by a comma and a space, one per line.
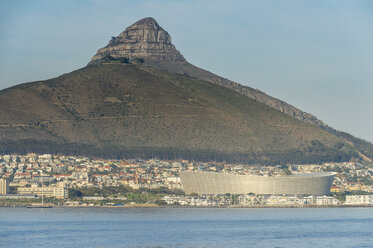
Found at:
[200, 207]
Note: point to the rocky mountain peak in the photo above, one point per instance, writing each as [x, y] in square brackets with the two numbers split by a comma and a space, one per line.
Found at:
[143, 41]
[148, 21]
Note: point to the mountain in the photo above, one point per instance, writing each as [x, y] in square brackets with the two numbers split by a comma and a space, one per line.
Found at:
[139, 97]
[149, 43]
[146, 41]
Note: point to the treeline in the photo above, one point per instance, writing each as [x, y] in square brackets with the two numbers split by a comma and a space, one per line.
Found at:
[120, 190]
[315, 153]
[125, 60]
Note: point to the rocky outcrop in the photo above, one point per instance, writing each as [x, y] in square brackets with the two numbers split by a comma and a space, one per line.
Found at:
[143, 41]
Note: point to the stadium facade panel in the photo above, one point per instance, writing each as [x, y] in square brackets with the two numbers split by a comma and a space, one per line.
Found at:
[205, 183]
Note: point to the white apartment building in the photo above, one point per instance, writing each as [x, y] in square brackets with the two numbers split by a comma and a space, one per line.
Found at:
[4, 187]
[359, 200]
[59, 191]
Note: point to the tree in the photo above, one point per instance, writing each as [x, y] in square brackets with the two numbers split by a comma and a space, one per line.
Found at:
[73, 193]
[160, 202]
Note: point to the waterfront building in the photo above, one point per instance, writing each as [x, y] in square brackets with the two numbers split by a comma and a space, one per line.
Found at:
[93, 198]
[4, 187]
[359, 200]
[286, 200]
[222, 183]
[17, 197]
[59, 191]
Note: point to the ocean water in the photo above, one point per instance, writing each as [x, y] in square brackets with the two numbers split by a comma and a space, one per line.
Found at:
[186, 227]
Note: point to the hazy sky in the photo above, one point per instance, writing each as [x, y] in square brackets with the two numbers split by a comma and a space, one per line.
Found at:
[315, 55]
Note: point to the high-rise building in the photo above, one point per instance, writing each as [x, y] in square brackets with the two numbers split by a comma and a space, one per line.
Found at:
[4, 187]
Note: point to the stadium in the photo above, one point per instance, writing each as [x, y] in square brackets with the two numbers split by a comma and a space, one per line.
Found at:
[205, 183]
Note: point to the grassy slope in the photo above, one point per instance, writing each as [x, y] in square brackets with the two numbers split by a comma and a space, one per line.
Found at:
[130, 110]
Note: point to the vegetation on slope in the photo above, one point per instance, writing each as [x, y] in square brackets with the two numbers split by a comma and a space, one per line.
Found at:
[125, 110]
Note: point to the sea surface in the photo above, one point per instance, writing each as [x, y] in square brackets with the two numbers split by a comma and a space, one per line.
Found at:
[186, 227]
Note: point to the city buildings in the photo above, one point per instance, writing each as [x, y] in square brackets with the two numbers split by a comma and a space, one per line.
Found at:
[160, 178]
[252, 200]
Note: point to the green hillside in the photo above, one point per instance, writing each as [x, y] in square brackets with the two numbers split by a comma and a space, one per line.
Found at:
[127, 110]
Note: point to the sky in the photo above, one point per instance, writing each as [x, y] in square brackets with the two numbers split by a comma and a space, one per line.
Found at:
[316, 55]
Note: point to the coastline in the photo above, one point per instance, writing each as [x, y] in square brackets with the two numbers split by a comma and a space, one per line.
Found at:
[197, 207]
